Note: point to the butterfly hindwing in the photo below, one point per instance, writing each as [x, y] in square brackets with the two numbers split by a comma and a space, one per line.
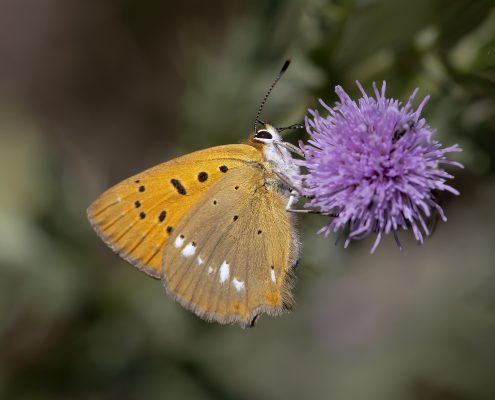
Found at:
[138, 216]
[232, 255]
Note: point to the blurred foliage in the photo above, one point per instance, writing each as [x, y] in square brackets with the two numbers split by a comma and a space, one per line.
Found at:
[92, 92]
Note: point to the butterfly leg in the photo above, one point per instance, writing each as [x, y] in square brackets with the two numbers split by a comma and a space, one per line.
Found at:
[293, 198]
[295, 193]
[294, 186]
[309, 211]
[291, 148]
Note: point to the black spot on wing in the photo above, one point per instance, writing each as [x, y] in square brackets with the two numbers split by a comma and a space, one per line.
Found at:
[142, 188]
[162, 216]
[178, 186]
[223, 168]
[169, 229]
[202, 176]
[142, 215]
[137, 204]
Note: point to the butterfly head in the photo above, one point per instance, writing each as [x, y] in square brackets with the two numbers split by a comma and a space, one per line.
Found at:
[265, 137]
[269, 141]
[268, 134]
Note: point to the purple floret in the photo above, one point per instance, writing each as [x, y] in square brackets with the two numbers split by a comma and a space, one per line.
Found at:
[374, 165]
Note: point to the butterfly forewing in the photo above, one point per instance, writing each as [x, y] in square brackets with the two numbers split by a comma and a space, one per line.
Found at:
[138, 216]
[231, 256]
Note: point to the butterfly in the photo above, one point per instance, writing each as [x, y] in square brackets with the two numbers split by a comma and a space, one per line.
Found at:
[214, 225]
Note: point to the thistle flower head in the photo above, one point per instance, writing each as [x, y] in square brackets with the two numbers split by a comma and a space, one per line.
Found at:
[374, 165]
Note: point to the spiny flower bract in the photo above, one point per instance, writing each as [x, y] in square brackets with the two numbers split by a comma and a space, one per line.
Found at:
[372, 165]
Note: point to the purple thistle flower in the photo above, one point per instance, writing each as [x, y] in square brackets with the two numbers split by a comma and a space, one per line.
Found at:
[374, 165]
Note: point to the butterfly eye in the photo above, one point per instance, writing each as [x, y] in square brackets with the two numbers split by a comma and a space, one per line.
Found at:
[262, 134]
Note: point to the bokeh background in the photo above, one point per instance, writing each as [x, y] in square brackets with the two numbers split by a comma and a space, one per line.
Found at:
[94, 91]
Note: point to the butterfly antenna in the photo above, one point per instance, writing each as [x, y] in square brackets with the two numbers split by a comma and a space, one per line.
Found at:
[284, 68]
[294, 126]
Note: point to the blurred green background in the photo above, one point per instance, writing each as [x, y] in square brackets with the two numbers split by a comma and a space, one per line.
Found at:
[94, 91]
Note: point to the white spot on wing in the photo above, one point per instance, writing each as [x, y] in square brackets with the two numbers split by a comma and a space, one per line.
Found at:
[239, 285]
[200, 260]
[224, 272]
[189, 250]
[211, 270]
[179, 241]
[274, 279]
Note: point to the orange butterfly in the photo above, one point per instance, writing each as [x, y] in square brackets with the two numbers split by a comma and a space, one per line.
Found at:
[213, 225]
